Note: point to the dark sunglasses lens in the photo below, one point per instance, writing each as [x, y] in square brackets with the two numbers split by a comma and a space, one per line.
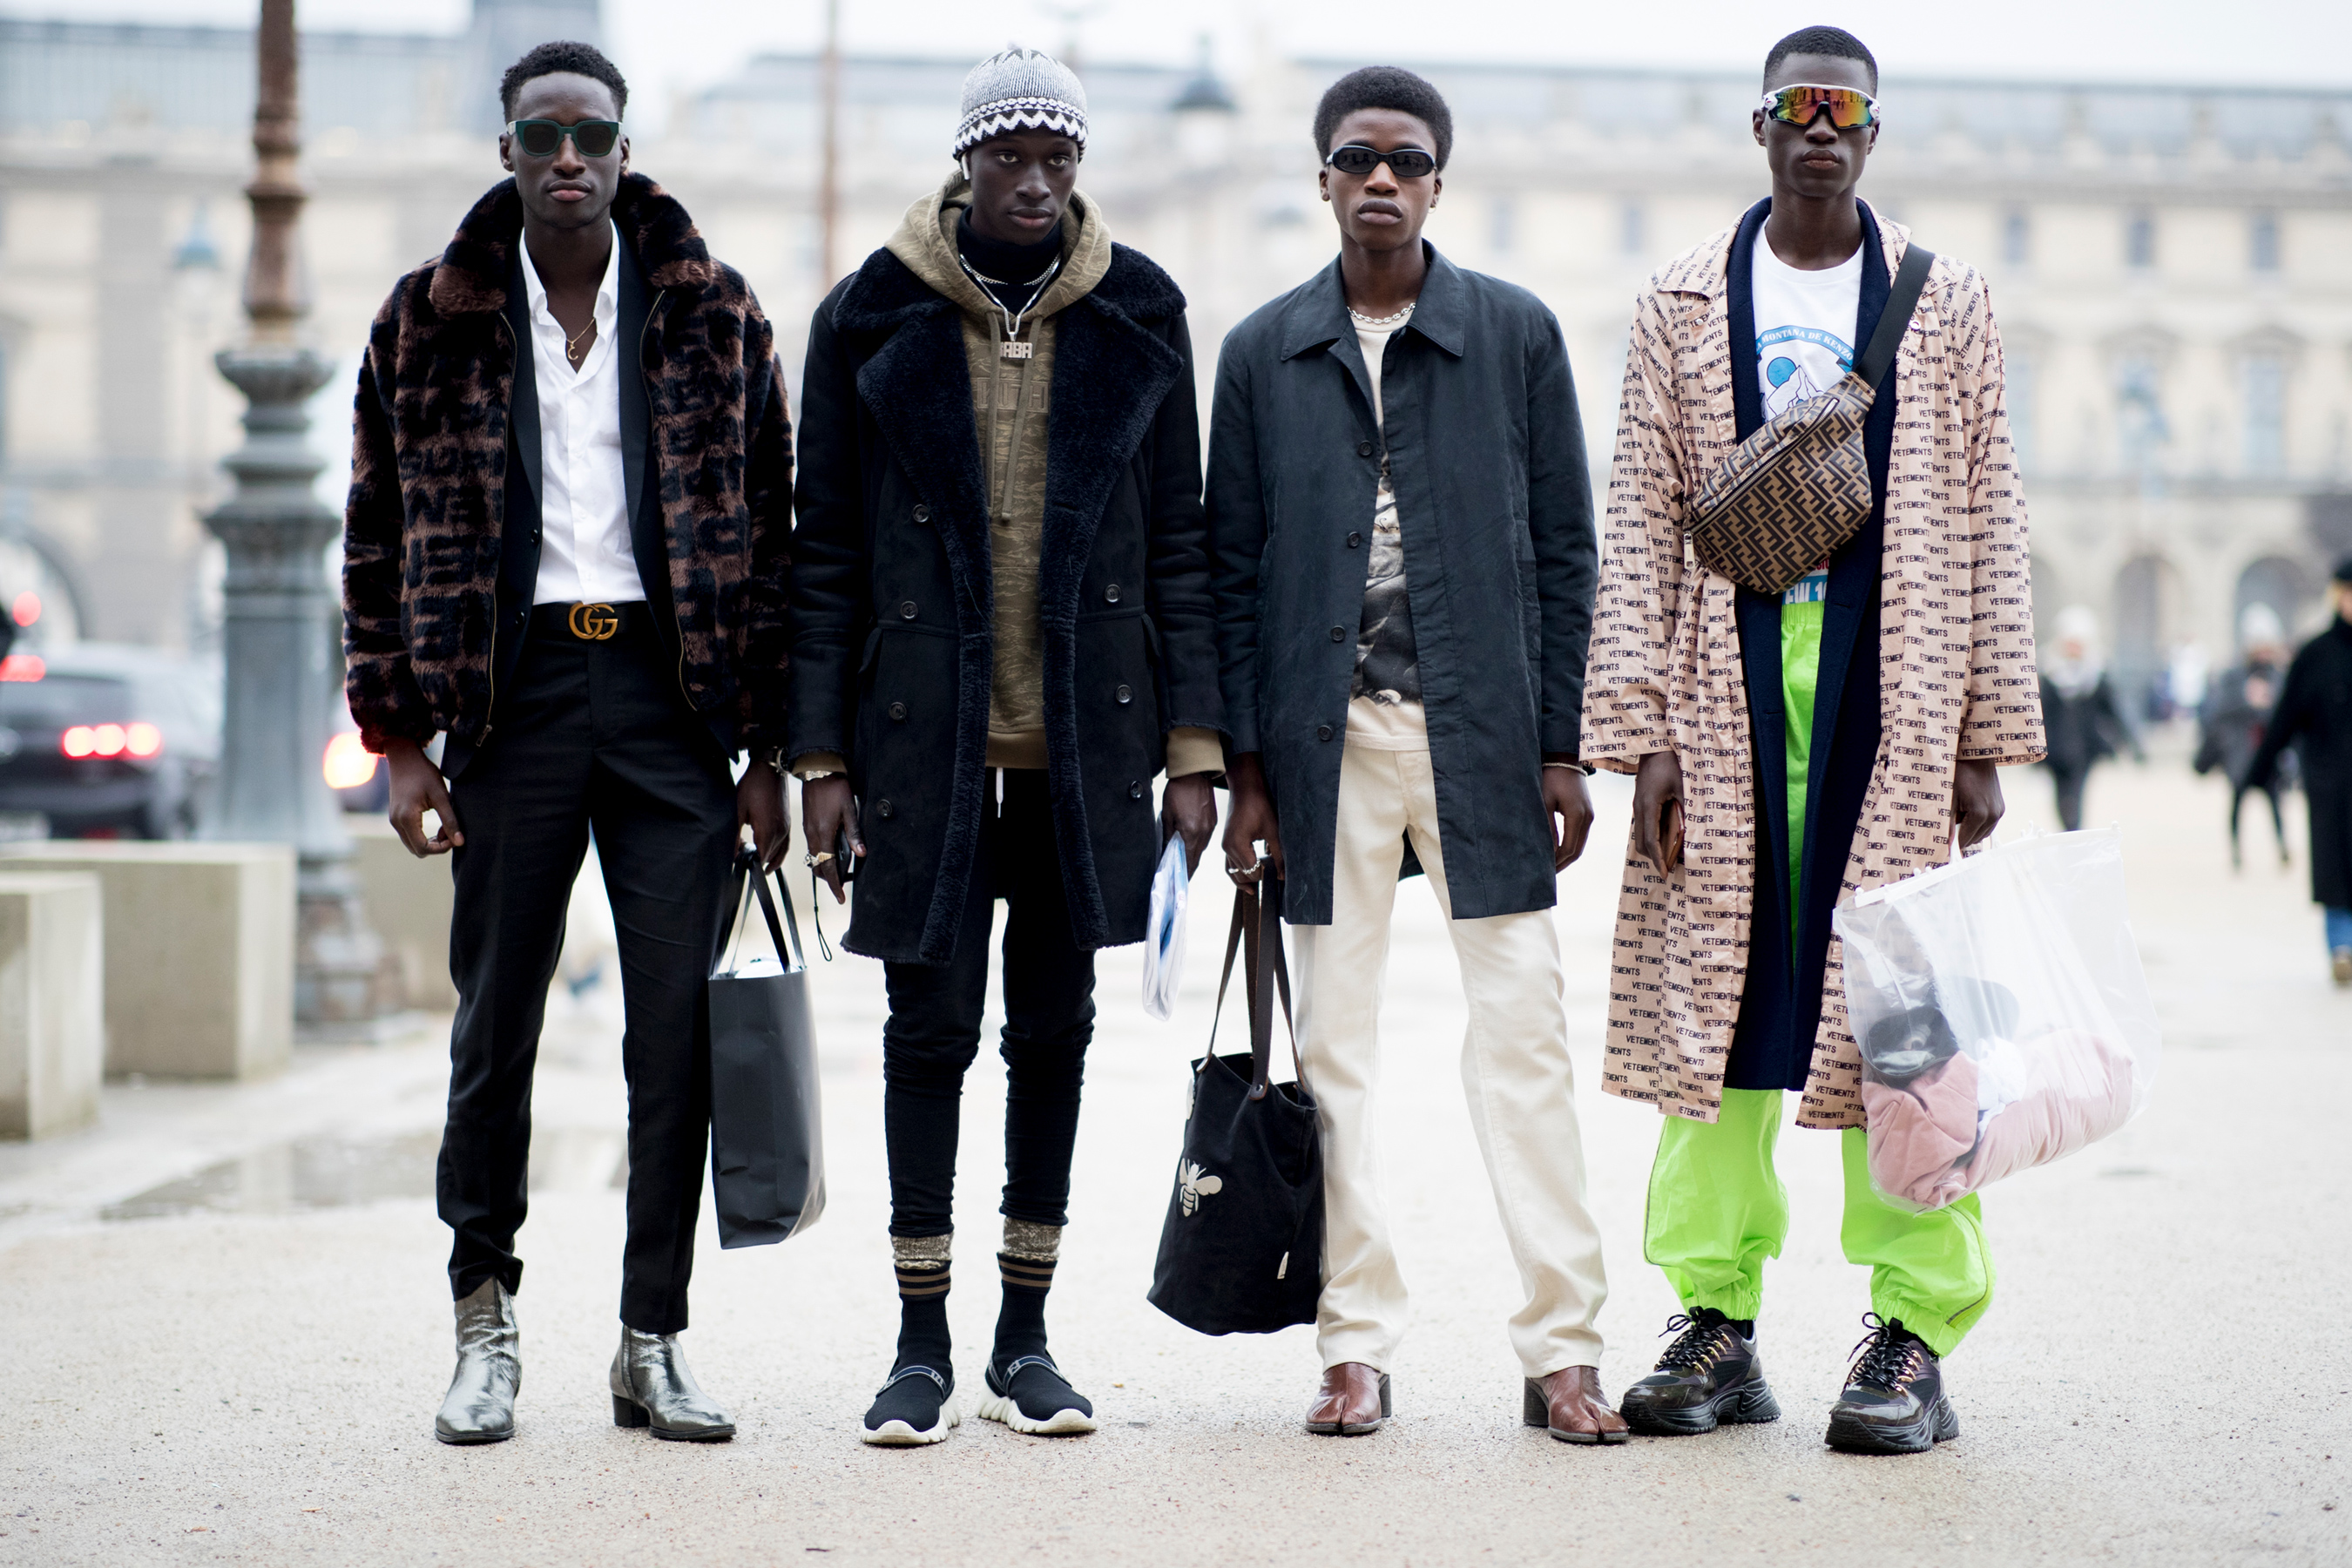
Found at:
[596, 139]
[541, 138]
[1355, 159]
[1410, 163]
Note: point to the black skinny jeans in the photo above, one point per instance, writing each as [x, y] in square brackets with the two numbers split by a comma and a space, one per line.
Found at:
[933, 1032]
[591, 734]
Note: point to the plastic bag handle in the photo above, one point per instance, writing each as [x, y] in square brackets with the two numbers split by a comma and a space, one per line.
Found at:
[746, 870]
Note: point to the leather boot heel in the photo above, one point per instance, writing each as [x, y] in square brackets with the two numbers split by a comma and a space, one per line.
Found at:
[1535, 1410]
[625, 1413]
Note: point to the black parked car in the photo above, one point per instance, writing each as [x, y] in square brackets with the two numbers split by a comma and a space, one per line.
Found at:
[107, 740]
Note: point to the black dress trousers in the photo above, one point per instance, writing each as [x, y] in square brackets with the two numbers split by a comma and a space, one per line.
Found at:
[589, 735]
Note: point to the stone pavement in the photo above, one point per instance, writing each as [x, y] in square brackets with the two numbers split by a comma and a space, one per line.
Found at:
[231, 1330]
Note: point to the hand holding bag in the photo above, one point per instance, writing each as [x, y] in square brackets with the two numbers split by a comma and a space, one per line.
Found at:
[1797, 490]
[767, 1133]
[1241, 1251]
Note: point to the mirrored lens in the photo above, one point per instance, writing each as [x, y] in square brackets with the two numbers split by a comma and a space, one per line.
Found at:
[1405, 162]
[594, 137]
[1850, 109]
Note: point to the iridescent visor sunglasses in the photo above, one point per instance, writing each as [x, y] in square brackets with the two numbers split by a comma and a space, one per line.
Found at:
[1404, 162]
[541, 138]
[1850, 108]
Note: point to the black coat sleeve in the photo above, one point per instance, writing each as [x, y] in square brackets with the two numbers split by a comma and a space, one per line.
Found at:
[2298, 705]
[1237, 518]
[1560, 523]
[1181, 606]
[830, 584]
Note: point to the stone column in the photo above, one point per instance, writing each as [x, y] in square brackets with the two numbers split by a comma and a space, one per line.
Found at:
[281, 684]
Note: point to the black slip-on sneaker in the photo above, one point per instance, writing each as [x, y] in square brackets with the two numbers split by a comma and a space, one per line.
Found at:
[917, 1406]
[1032, 1395]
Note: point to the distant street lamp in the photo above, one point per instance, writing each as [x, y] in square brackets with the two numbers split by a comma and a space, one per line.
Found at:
[281, 686]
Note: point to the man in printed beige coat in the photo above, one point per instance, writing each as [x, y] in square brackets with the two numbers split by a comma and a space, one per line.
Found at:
[1789, 748]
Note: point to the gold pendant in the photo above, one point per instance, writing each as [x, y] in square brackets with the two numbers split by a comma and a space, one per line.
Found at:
[1016, 350]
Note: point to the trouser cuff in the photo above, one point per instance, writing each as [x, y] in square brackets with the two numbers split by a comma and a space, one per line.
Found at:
[1935, 1327]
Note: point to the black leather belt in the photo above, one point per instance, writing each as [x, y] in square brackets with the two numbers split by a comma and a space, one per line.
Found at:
[592, 622]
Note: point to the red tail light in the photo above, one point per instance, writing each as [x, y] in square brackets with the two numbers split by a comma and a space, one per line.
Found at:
[23, 667]
[140, 740]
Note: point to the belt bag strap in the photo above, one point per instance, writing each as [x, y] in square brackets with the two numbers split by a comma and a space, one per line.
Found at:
[1792, 493]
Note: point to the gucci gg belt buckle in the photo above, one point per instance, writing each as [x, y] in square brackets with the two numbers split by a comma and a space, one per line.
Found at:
[594, 623]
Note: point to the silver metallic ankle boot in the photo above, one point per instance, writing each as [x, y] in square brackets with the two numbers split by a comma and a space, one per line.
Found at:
[652, 1388]
[480, 1404]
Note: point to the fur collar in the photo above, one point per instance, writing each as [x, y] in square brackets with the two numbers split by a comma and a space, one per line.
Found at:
[473, 272]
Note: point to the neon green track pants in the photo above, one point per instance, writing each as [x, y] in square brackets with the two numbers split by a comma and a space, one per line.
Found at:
[1717, 1210]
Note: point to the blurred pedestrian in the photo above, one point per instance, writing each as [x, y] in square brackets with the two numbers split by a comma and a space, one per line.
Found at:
[1396, 456]
[1001, 631]
[2314, 716]
[2080, 718]
[564, 551]
[1791, 747]
[2236, 712]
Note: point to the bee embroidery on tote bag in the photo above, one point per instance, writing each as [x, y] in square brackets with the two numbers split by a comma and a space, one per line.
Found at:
[1194, 1183]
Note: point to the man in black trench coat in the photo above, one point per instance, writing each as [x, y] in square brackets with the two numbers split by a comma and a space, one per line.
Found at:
[2314, 716]
[1001, 631]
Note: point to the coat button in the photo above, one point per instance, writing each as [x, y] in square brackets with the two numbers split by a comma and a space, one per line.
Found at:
[1338, 634]
[1124, 694]
[1322, 732]
[1111, 594]
[897, 710]
[1354, 541]
[882, 808]
[1135, 789]
[907, 609]
[1363, 448]
[922, 514]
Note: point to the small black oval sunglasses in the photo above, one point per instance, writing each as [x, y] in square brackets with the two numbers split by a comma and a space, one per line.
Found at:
[1404, 162]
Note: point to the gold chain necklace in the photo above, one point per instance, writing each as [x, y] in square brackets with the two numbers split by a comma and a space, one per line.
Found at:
[571, 349]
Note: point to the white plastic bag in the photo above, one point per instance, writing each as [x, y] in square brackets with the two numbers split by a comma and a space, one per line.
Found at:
[2001, 1012]
[1163, 940]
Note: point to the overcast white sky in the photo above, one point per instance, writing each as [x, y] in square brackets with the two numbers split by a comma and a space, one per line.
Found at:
[664, 44]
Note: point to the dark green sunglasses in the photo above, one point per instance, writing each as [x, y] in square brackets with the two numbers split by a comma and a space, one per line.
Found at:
[541, 138]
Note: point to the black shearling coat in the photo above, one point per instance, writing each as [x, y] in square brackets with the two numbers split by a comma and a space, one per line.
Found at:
[1486, 456]
[892, 632]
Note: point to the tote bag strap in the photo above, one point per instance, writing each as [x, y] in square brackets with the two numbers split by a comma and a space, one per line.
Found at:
[1270, 976]
[1245, 901]
[1902, 298]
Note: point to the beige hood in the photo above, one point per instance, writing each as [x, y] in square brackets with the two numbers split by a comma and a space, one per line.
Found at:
[925, 243]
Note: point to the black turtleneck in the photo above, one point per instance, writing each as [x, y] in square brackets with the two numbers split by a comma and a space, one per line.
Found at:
[1006, 261]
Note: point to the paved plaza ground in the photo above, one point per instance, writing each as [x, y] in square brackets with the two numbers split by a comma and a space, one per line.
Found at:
[230, 1329]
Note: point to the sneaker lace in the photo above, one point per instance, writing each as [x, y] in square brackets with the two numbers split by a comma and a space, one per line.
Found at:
[1701, 1345]
[1887, 1356]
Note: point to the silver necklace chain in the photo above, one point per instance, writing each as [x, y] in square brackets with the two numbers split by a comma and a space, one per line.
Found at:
[1380, 323]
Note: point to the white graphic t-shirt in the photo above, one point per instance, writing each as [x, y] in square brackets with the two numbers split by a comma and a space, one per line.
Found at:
[1803, 324]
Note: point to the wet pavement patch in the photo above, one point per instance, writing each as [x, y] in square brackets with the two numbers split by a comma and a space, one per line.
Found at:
[332, 1172]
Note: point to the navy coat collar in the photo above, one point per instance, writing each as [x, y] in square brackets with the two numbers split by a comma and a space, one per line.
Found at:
[1317, 313]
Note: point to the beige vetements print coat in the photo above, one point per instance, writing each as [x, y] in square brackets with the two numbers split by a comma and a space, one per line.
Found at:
[1956, 663]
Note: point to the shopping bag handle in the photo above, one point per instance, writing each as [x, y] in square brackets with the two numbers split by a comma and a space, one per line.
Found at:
[1265, 971]
[747, 861]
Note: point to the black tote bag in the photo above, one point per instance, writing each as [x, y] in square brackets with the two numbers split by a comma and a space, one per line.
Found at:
[767, 1135]
[1241, 1251]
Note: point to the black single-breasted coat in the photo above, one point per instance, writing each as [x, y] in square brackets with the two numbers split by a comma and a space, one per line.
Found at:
[1487, 456]
[892, 629]
[2314, 716]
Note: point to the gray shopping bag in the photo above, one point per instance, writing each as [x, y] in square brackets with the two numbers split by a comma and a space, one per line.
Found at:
[767, 1134]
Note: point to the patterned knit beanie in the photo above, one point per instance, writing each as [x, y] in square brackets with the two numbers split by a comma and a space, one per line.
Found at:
[1020, 90]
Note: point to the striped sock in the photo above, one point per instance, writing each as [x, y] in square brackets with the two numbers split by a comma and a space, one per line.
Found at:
[1027, 1267]
[924, 1278]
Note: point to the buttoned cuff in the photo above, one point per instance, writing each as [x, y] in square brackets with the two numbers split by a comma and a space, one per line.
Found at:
[1192, 750]
[811, 762]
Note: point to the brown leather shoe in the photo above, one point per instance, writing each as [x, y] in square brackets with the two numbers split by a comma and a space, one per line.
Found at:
[1353, 1400]
[1569, 1406]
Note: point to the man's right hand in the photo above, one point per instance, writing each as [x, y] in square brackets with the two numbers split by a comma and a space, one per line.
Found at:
[1658, 811]
[417, 787]
[828, 811]
[1249, 821]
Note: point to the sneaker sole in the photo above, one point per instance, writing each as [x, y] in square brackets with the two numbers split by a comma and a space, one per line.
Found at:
[1937, 1424]
[1068, 1423]
[1748, 1404]
[897, 1434]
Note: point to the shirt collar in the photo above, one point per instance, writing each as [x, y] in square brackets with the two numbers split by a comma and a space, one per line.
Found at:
[608, 288]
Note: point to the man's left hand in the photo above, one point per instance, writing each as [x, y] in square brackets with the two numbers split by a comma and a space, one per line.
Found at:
[760, 806]
[1977, 806]
[1190, 807]
[1568, 806]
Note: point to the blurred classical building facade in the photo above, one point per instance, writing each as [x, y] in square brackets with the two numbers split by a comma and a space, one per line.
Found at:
[2169, 264]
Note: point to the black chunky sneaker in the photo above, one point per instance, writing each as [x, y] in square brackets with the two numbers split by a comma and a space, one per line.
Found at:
[917, 1406]
[1030, 1394]
[1710, 1376]
[1893, 1400]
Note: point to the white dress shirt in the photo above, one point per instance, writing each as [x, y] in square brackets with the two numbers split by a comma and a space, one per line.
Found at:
[584, 553]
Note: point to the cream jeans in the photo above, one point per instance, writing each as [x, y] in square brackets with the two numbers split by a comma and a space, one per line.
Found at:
[1514, 1072]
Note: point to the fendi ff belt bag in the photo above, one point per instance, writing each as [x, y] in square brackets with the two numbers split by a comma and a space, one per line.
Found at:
[1799, 488]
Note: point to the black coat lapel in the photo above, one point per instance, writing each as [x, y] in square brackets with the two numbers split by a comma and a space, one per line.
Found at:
[646, 532]
[523, 413]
